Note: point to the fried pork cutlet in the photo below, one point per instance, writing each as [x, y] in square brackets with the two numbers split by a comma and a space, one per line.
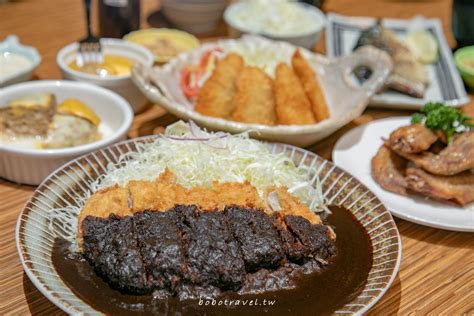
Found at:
[388, 170]
[311, 86]
[290, 205]
[458, 188]
[412, 139]
[189, 253]
[164, 193]
[216, 96]
[102, 202]
[258, 239]
[455, 158]
[253, 100]
[292, 105]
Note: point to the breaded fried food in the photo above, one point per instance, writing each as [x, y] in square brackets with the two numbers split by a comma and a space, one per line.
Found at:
[290, 205]
[216, 96]
[107, 201]
[292, 105]
[311, 86]
[253, 100]
[164, 193]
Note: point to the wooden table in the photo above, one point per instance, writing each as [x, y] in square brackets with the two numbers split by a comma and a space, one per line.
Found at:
[437, 270]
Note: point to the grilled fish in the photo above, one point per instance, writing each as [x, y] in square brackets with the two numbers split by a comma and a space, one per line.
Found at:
[408, 76]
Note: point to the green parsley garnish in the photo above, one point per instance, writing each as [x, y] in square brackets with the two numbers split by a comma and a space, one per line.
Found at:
[440, 117]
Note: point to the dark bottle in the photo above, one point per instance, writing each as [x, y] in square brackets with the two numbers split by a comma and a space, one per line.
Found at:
[118, 17]
[463, 22]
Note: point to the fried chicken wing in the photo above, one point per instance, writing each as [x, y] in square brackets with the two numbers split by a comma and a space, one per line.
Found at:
[292, 105]
[455, 158]
[468, 110]
[216, 96]
[388, 170]
[412, 139]
[311, 86]
[458, 188]
[253, 100]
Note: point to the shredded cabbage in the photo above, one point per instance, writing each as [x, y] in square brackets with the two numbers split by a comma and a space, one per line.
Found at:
[198, 157]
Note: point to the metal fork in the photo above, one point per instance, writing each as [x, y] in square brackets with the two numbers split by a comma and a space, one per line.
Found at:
[90, 50]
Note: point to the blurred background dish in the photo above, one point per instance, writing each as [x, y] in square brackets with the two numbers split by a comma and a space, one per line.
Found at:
[441, 80]
[120, 83]
[297, 23]
[29, 165]
[196, 16]
[464, 59]
[17, 61]
[163, 43]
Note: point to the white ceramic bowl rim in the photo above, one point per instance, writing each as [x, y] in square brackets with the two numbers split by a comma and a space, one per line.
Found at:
[150, 59]
[13, 41]
[229, 20]
[120, 102]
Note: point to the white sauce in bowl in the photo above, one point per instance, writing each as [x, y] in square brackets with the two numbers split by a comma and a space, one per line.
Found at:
[34, 142]
[275, 17]
[11, 63]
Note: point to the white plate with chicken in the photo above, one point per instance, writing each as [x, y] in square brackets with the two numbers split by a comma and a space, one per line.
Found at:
[423, 175]
[423, 65]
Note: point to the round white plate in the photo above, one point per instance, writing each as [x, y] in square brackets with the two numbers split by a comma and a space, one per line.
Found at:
[64, 188]
[353, 153]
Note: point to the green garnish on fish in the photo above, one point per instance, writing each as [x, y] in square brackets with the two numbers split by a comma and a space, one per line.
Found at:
[439, 117]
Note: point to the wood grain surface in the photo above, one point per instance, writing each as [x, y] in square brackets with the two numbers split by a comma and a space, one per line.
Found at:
[437, 270]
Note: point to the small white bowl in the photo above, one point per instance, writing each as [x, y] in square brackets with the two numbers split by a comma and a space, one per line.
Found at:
[12, 45]
[122, 84]
[194, 16]
[31, 166]
[307, 39]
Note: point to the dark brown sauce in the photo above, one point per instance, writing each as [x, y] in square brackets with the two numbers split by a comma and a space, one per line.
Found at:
[320, 293]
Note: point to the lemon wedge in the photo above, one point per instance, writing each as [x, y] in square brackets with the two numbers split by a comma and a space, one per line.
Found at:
[77, 108]
[424, 45]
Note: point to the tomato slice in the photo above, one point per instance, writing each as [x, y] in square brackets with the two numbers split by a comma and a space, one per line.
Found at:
[189, 81]
[191, 75]
[206, 58]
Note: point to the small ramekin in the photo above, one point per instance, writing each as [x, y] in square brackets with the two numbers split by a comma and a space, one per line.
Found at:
[121, 84]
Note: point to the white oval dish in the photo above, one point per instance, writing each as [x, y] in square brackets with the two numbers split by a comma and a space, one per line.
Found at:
[35, 234]
[31, 166]
[354, 151]
[346, 100]
[121, 84]
[12, 45]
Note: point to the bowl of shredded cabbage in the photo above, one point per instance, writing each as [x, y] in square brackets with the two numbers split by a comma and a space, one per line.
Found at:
[297, 23]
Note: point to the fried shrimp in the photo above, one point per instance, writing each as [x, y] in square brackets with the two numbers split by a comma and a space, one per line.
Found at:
[216, 96]
[292, 105]
[311, 86]
[253, 100]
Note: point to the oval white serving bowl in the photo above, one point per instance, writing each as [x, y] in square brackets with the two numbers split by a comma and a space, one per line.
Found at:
[303, 39]
[12, 45]
[31, 166]
[346, 101]
[121, 84]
